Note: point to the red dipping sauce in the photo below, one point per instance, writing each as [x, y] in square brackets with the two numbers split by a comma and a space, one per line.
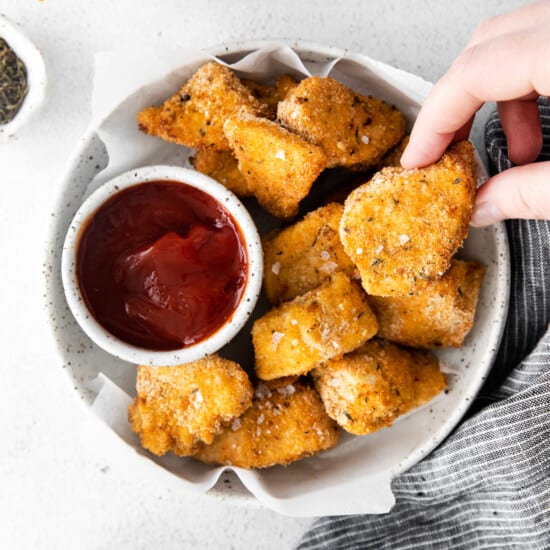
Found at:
[162, 265]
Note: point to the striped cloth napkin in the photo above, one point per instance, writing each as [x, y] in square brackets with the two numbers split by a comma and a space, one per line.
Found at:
[488, 484]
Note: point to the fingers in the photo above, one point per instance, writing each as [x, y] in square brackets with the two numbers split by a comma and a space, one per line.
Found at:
[521, 124]
[520, 192]
[481, 73]
[514, 21]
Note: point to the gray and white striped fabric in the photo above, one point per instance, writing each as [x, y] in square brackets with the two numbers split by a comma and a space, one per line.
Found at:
[488, 484]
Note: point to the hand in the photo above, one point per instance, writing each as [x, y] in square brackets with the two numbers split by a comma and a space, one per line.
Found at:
[507, 61]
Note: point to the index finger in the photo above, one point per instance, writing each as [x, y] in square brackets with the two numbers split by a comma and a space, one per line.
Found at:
[506, 67]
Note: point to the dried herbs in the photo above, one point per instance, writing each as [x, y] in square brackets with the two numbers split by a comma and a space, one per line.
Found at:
[13, 83]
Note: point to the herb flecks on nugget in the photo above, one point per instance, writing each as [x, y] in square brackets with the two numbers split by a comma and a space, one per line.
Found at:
[195, 115]
[403, 226]
[278, 166]
[178, 408]
[352, 129]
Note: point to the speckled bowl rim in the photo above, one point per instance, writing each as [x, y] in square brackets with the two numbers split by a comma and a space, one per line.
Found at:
[228, 488]
[133, 354]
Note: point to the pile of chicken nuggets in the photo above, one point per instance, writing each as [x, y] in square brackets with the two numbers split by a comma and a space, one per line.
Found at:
[359, 291]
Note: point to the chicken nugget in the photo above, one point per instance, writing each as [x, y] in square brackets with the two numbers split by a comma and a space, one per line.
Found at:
[403, 226]
[179, 407]
[271, 95]
[285, 84]
[440, 313]
[304, 255]
[195, 115]
[326, 322]
[223, 167]
[350, 128]
[282, 426]
[368, 389]
[279, 167]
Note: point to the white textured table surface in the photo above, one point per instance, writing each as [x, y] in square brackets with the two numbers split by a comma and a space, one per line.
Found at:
[56, 491]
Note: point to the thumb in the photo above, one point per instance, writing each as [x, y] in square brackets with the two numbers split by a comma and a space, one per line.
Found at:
[519, 192]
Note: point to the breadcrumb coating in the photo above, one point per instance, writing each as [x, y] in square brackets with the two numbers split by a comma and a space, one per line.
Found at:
[271, 95]
[326, 322]
[439, 314]
[278, 166]
[284, 424]
[178, 408]
[404, 226]
[304, 255]
[368, 389]
[350, 128]
[223, 167]
[194, 116]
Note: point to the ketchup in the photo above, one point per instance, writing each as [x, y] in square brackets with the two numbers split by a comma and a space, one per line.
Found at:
[162, 265]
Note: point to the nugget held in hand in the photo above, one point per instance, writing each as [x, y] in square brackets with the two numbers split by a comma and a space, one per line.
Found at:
[284, 424]
[403, 226]
[195, 115]
[350, 128]
[369, 388]
[279, 167]
[304, 255]
[178, 408]
[333, 319]
[439, 314]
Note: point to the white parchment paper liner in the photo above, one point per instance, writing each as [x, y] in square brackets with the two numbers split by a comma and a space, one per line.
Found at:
[353, 478]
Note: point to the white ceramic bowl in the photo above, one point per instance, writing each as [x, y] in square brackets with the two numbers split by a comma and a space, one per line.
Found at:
[202, 348]
[354, 477]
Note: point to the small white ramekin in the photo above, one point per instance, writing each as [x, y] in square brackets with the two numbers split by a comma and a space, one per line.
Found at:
[212, 343]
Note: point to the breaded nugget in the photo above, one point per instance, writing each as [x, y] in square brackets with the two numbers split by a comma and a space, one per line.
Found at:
[271, 95]
[179, 407]
[326, 322]
[279, 167]
[428, 379]
[223, 167]
[368, 389]
[282, 426]
[285, 84]
[304, 255]
[440, 313]
[266, 94]
[404, 226]
[195, 115]
[350, 128]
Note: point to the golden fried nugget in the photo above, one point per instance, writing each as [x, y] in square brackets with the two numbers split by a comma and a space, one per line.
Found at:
[279, 167]
[266, 94]
[368, 389]
[304, 255]
[326, 322]
[440, 313]
[428, 379]
[285, 84]
[223, 167]
[403, 226]
[179, 407]
[351, 128]
[282, 426]
[195, 115]
[271, 95]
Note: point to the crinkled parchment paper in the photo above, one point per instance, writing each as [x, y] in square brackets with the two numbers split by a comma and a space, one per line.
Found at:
[355, 477]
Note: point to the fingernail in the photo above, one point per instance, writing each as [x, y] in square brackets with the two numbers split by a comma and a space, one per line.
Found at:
[485, 213]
